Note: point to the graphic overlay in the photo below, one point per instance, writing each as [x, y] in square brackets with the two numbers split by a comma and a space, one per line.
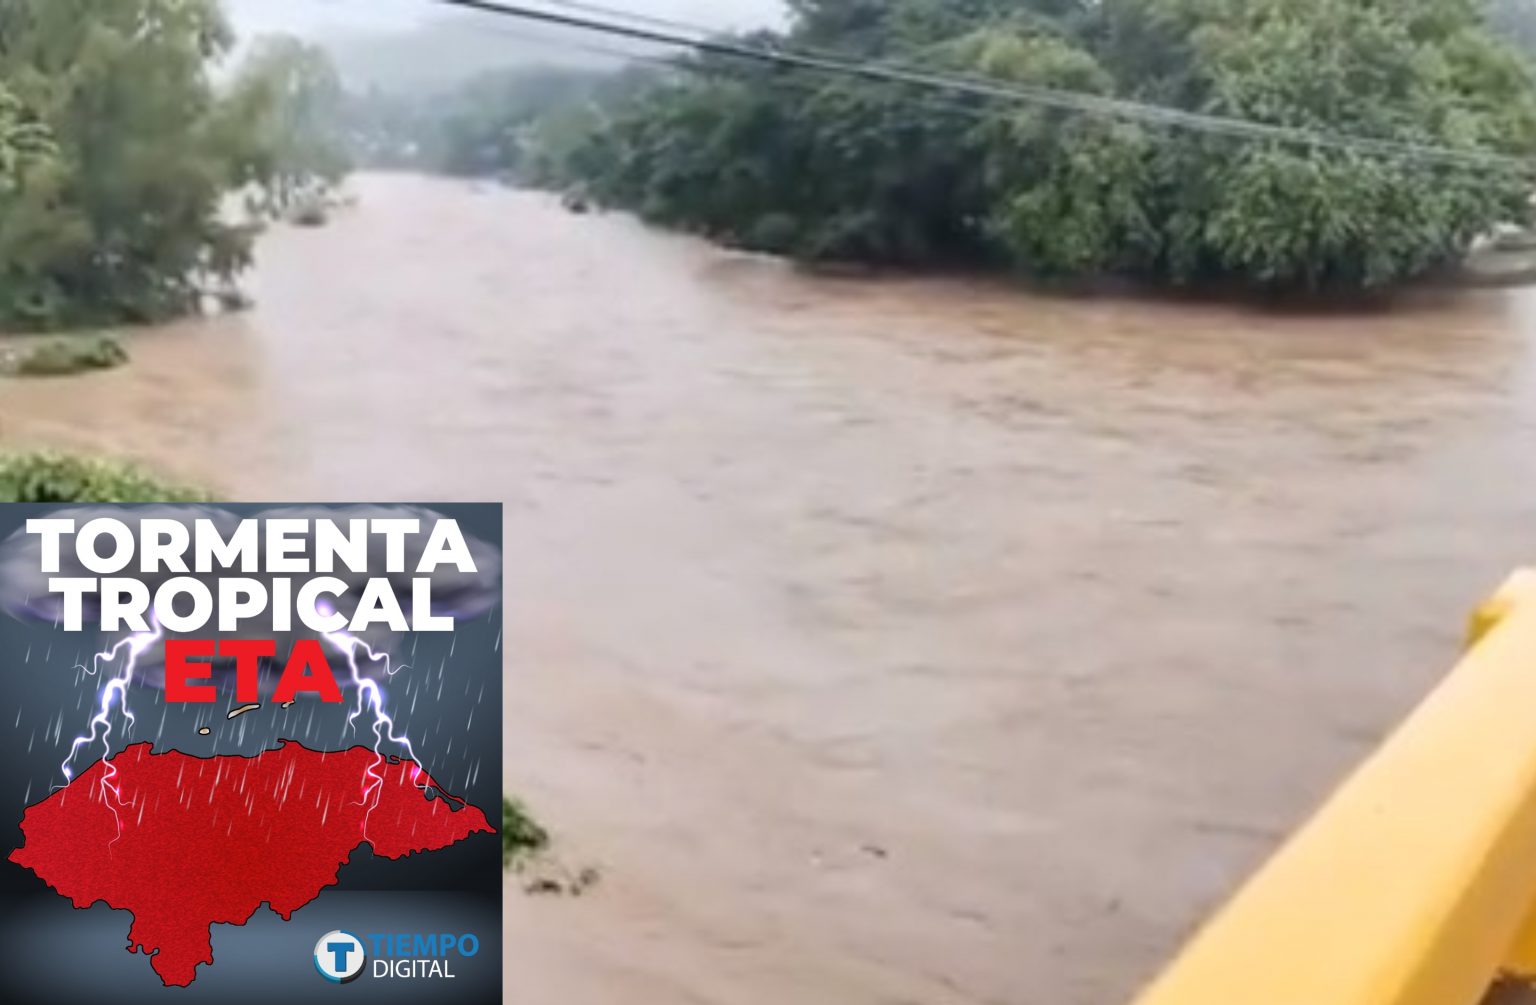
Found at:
[340, 957]
[255, 746]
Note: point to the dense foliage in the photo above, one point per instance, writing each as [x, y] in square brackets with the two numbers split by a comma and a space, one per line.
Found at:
[116, 154]
[122, 219]
[23, 143]
[831, 167]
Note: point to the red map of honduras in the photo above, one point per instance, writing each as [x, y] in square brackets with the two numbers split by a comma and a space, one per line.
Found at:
[187, 842]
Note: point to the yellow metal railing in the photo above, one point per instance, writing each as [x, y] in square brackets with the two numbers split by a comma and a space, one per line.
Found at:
[1415, 884]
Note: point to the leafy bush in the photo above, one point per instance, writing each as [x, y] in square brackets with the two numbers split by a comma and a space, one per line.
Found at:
[69, 354]
[775, 233]
[61, 478]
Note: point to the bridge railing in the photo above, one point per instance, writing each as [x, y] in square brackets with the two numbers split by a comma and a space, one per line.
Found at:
[1415, 884]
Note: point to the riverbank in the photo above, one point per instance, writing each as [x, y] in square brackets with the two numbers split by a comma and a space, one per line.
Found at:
[900, 640]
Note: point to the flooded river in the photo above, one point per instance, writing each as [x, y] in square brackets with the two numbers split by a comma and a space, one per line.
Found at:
[882, 641]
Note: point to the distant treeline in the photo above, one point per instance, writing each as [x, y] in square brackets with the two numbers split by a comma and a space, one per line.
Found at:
[825, 167]
[497, 123]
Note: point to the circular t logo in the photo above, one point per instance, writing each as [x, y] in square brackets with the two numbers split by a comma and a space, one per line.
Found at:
[339, 956]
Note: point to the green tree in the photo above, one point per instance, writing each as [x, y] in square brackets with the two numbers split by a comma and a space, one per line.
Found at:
[820, 166]
[1310, 216]
[23, 143]
[29, 169]
[1066, 195]
[285, 111]
[896, 27]
[123, 222]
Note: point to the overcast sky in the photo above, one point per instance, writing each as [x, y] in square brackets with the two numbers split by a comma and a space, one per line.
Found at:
[302, 16]
[414, 45]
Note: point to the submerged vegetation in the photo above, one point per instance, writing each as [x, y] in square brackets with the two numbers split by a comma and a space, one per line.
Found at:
[63, 355]
[525, 851]
[827, 167]
[521, 836]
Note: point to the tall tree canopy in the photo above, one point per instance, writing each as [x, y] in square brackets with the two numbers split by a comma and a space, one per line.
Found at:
[122, 219]
[22, 143]
[822, 166]
[125, 217]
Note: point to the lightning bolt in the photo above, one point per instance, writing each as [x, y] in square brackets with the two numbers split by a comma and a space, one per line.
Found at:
[370, 698]
[115, 691]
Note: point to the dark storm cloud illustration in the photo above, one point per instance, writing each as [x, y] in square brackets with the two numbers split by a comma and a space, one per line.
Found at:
[24, 592]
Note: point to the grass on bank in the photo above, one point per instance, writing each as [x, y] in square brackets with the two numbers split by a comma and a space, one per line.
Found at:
[46, 477]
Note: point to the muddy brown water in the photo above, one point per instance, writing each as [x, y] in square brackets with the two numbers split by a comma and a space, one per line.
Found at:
[881, 641]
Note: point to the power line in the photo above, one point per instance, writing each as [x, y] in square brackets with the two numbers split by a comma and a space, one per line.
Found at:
[935, 100]
[653, 30]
